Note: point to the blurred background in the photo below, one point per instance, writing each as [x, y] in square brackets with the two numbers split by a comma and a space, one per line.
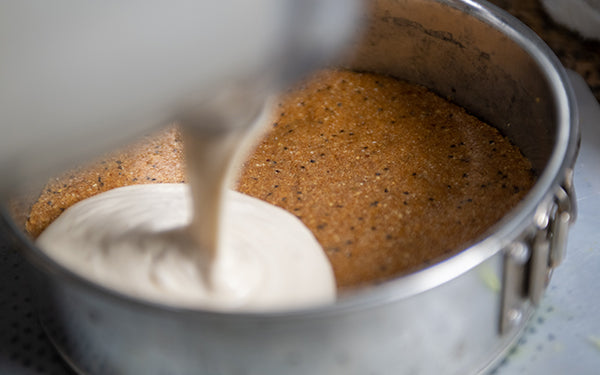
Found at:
[575, 52]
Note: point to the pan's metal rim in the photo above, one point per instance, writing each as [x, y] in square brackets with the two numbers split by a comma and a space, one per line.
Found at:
[499, 236]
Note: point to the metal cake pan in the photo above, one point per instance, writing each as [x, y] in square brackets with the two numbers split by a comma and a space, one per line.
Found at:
[456, 317]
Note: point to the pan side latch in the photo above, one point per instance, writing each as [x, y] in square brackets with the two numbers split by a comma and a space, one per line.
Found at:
[529, 261]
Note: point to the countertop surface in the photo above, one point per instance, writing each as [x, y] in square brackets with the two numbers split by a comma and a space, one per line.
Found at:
[564, 335]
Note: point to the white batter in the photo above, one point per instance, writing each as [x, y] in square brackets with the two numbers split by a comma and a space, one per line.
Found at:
[136, 240]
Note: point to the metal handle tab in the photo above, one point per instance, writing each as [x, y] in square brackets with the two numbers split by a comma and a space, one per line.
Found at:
[559, 226]
[529, 262]
[516, 257]
[539, 271]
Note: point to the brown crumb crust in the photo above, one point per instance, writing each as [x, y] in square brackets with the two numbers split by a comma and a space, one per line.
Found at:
[157, 158]
[387, 175]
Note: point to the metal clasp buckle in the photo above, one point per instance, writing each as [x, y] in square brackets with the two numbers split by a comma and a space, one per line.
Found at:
[528, 263]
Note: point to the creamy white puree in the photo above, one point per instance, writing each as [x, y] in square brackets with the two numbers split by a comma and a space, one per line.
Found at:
[137, 240]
